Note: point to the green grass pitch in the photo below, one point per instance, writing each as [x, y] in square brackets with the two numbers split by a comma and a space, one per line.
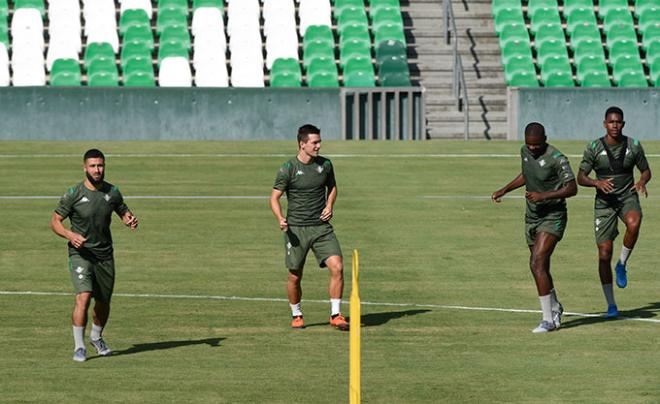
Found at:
[425, 234]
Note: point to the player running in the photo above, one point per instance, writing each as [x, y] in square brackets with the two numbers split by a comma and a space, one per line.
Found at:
[548, 180]
[89, 206]
[613, 158]
[309, 182]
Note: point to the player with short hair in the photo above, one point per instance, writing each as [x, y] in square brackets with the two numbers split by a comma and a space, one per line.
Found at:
[309, 182]
[548, 180]
[613, 157]
[89, 206]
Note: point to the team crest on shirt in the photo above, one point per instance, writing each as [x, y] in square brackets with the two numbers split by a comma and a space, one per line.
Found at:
[83, 199]
[299, 172]
[319, 169]
[79, 270]
[542, 163]
[107, 198]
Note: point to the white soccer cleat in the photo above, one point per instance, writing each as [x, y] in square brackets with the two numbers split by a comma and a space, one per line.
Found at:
[80, 355]
[100, 346]
[556, 315]
[545, 326]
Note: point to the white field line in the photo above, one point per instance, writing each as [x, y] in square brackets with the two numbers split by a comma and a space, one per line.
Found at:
[339, 155]
[281, 300]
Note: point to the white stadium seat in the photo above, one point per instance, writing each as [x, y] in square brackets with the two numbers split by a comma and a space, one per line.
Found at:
[174, 72]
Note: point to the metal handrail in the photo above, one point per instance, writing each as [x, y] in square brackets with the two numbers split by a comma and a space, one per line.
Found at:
[459, 87]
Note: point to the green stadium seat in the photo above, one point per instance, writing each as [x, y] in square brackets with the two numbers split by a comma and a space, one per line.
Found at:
[393, 65]
[136, 65]
[101, 65]
[591, 64]
[285, 79]
[99, 50]
[375, 6]
[135, 51]
[544, 16]
[365, 65]
[580, 16]
[352, 15]
[133, 18]
[523, 79]
[654, 72]
[340, 5]
[318, 50]
[140, 79]
[558, 79]
[653, 52]
[140, 35]
[584, 32]
[617, 16]
[555, 64]
[318, 33]
[595, 79]
[389, 15]
[171, 18]
[570, 5]
[390, 48]
[172, 49]
[625, 64]
[103, 79]
[282, 65]
[181, 5]
[518, 64]
[388, 32]
[623, 48]
[514, 48]
[619, 32]
[321, 65]
[588, 49]
[176, 34]
[207, 3]
[632, 79]
[536, 5]
[4, 37]
[642, 5]
[550, 48]
[65, 72]
[323, 79]
[395, 80]
[360, 49]
[604, 6]
[499, 5]
[651, 34]
[514, 32]
[38, 4]
[506, 17]
[545, 32]
[648, 18]
[65, 79]
[359, 78]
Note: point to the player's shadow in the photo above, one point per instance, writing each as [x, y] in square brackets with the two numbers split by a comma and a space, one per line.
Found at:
[376, 319]
[157, 346]
[649, 311]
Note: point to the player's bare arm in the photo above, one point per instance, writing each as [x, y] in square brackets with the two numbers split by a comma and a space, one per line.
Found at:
[74, 238]
[605, 186]
[276, 207]
[644, 178]
[327, 211]
[130, 220]
[516, 183]
[569, 189]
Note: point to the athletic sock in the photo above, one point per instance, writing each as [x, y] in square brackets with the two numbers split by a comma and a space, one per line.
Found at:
[334, 306]
[608, 291]
[546, 307]
[295, 310]
[625, 253]
[95, 335]
[555, 301]
[79, 337]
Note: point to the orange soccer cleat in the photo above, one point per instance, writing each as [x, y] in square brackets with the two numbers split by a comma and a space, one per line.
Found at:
[298, 322]
[339, 322]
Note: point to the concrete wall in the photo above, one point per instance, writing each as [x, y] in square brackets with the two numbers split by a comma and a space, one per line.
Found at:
[51, 113]
[578, 113]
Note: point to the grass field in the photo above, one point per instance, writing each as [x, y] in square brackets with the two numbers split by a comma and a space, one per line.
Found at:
[430, 240]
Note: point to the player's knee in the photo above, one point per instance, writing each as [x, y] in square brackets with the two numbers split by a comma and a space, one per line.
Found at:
[633, 224]
[605, 253]
[83, 299]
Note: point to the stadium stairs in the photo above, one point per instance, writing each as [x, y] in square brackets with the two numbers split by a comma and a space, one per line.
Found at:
[431, 59]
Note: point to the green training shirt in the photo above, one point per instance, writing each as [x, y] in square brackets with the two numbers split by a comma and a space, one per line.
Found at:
[595, 158]
[548, 172]
[306, 187]
[90, 213]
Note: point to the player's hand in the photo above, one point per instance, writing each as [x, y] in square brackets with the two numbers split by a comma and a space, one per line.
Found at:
[641, 189]
[326, 214]
[283, 224]
[497, 196]
[130, 220]
[605, 186]
[535, 196]
[76, 240]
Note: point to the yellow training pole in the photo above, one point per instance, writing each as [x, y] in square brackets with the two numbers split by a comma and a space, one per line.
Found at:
[354, 390]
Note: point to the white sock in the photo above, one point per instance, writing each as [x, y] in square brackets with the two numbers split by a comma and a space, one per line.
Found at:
[625, 253]
[334, 306]
[608, 291]
[546, 307]
[555, 301]
[95, 335]
[79, 337]
[295, 310]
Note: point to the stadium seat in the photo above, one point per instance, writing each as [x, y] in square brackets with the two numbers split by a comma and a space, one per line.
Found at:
[651, 34]
[359, 49]
[98, 51]
[388, 15]
[619, 32]
[555, 64]
[207, 3]
[290, 65]
[31, 4]
[549, 49]
[213, 74]
[584, 32]
[595, 79]
[174, 72]
[580, 16]
[179, 5]
[351, 32]
[209, 48]
[359, 78]
[588, 48]
[137, 5]
[135, 52]
[365, 65]
[389, 31]
[352, 15]
[139, 35]
[623, 48]
[286, 79]
[535, 5]
[518, 64]
[604, 6]
[570, 5]
[625, 64]
[176, 34]
[205, 18]
[632, 79]
[135, 65]
[389, 48]
[508, 16]
[282, 43]
[314, 12]
[544, 16]
[318, 33]
[139, 79]
[648, 17]
[321, 65]
[171, 18]
[499, 5]
[514, 48]
[523, 79]
[392, 65]
[247, 76]
[642, 5]
[558, 79]
[340, 5]
[395, 80]
[614, 16]
[550, 31]
[589, 64]
[653, 52]
[171, 49]
[654, 72]
[514, 32]
[133, 18]
[60, 50]
[65, 72]
[323, 79]
[318, 50]
[103, 79]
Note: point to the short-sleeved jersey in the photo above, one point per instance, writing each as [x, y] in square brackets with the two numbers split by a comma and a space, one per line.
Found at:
[548, 172]
[90, 213]
[306, 187]
[595, 158]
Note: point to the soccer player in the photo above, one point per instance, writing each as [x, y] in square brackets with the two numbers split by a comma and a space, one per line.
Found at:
[613, 158]
[89, 206]
[548, 180]
[309, 182]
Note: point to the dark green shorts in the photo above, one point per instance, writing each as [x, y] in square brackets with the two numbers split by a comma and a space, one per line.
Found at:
[298, 240]
[605, 218]
[94, 276]
[552, 222]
